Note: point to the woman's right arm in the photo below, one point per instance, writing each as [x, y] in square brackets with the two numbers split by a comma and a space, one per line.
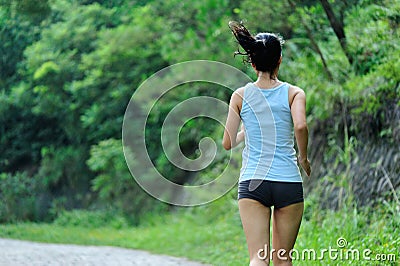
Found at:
[298, 110]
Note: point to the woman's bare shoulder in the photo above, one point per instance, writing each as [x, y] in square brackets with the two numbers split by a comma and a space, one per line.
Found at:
[240, 91]
[293, 92]
[294, 89]
[237, 97]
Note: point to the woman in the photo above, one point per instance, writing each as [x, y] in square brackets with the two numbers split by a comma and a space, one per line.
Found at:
[271, 111]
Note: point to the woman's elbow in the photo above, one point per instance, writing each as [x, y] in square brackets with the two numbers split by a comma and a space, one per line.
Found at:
[300, 127]
[227, 145]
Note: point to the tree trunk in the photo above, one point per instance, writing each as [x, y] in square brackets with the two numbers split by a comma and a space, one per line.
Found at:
[338, 27]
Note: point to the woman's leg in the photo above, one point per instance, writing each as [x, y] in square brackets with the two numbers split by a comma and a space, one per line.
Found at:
[285, 227]
[256, 221]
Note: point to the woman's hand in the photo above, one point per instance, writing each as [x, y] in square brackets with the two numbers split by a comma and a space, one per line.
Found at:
[305, 164]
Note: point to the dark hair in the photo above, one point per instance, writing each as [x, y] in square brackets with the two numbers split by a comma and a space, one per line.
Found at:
[263, 50]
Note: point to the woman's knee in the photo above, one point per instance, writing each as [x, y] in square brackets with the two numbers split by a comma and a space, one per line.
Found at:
[281, 262]
[258, 262]
[261, 258]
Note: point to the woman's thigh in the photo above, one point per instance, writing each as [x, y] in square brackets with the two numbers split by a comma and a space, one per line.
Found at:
[256, 225]
[285, 227]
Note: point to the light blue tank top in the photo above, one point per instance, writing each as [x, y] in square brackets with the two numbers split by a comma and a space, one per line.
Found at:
[269, 152]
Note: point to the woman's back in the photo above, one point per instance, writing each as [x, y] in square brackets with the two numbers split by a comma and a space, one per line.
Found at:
[269, 152]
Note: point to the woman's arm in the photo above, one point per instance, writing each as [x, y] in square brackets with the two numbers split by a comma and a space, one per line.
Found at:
[240, 135]
[298, 110]
[231, 136]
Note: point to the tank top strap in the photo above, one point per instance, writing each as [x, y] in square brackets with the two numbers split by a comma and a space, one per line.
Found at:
[284, 95]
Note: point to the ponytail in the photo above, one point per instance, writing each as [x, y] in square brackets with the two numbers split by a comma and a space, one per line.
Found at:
[263, 50]
[243, 36]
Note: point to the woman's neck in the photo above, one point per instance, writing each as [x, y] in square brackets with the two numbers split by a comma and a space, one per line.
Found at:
[265, 81]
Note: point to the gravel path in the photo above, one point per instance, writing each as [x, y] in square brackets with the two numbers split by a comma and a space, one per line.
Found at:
[24, 253]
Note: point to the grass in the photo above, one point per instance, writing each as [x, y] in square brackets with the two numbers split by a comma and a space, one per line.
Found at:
[213, 234]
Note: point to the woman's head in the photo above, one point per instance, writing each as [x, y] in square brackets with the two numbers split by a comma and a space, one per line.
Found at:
[264, 50]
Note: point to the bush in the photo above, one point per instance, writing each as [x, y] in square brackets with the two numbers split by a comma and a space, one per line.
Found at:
[19, 197]
[65, 178]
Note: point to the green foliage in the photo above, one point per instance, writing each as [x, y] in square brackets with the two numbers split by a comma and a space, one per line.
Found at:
[195, 30]
[114, 183]
[47, 69]
[91, 219]
[272, 19]
[16, 33]
[19, 197]
[65, 179]
[35, 11]
[114, 70]
[22, 134]
[191, 133]
[64, 166]
[373, 42]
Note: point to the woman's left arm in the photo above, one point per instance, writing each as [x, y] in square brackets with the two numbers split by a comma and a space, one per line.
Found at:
[231, 136]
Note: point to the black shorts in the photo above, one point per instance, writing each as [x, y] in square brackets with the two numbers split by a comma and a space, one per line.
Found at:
[271, 193]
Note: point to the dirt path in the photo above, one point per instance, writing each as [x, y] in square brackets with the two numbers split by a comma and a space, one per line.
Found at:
[18, 253]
